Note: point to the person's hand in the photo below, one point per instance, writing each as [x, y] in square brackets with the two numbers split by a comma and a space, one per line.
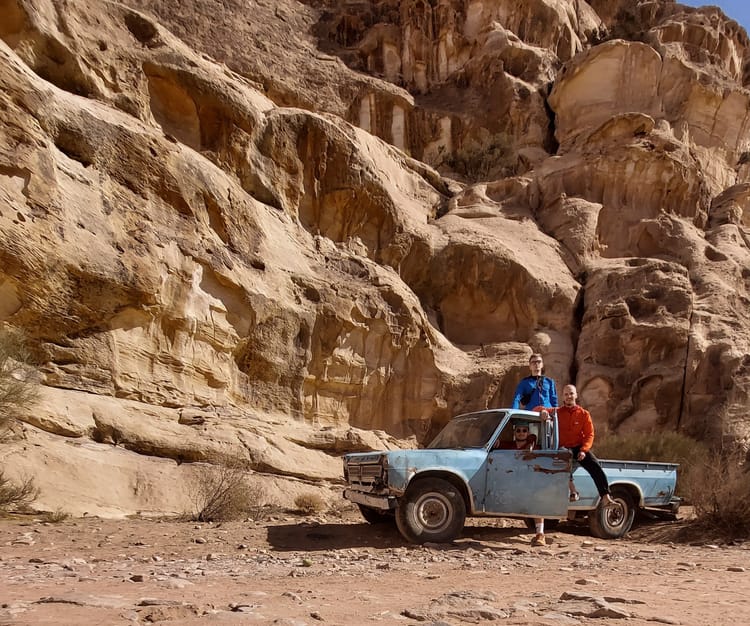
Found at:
[544, 414]
[581, 455]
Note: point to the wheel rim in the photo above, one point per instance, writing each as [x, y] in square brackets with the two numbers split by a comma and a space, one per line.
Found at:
[433, 512]
[614, 515]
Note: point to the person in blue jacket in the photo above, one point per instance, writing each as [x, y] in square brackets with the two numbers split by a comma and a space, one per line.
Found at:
[535, 390]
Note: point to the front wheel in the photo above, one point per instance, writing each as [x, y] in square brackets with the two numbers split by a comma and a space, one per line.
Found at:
[612, 522]
[432, 510]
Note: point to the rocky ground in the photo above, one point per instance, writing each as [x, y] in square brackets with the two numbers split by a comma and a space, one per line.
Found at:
[335, 569]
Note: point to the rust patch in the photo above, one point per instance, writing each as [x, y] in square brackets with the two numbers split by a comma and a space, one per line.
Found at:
[547, 470]
[562, 455]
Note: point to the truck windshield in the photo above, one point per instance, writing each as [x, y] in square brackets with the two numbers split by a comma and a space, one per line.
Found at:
[472, 430]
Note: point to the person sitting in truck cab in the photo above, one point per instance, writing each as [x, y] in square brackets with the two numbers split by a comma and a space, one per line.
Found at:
[523, 439]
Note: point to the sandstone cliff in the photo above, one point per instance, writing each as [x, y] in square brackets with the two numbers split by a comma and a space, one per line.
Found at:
[283, 230]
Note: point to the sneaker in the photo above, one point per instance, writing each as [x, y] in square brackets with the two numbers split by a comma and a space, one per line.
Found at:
[539, 540]
[608, 501]
[574, 496]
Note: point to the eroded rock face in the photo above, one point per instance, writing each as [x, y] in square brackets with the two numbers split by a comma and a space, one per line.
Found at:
[636, 324]
[334, 226]
[599, 87]
[681, 178]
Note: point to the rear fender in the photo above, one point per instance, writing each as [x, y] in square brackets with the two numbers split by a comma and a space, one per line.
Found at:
[633, 489]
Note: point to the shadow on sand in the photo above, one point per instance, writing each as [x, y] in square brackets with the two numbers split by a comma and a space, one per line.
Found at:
[337, 536]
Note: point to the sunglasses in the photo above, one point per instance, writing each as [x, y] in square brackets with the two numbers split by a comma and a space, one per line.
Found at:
[522, 430]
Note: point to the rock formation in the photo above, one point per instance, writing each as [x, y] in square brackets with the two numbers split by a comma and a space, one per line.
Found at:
[278, 231]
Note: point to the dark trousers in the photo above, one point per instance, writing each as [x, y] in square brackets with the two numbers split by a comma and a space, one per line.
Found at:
[591, 464]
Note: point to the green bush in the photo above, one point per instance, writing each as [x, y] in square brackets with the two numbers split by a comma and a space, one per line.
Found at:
[669, 447]
[663, 447]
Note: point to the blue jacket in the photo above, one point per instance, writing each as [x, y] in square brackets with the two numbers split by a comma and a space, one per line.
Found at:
[534, 391]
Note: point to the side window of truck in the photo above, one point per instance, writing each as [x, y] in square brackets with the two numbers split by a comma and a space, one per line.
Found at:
[506, 440]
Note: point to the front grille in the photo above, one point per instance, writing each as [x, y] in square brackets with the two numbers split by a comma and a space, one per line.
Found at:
[364, 475]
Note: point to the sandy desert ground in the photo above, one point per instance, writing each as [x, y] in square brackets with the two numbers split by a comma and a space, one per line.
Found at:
[335, 569]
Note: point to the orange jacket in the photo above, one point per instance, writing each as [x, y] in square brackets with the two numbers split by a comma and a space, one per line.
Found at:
[575, 426]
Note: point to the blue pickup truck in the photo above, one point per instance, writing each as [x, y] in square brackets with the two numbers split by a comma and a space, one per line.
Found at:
[464, 472]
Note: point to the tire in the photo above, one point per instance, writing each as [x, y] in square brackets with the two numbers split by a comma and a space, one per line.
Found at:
[549, 524]
[431, 510]
[612, 522]
[375, 516]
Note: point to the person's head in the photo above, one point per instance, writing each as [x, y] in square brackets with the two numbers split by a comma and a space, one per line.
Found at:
[570, 395]
[536, 364]
[520, 431]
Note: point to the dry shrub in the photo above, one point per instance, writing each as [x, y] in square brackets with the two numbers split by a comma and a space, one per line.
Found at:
[479, 158]
[17, 390]
[55, 517]
[720, 495]
[16, 495]
[309, 503]
[220, 492]
[662, 447]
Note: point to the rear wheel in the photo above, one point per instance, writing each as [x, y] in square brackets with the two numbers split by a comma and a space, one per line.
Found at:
[432, 510]
[612, 522]
[375, 516]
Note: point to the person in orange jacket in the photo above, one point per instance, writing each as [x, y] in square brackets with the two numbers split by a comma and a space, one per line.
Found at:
[576, 431]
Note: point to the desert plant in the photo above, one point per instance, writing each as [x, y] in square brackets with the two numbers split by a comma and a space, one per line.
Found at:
[477, 159]
[16, 389]
[55, 517]
[309, 503]
[720, 495]
[219, 491]
[16, 392]
[664, 447]
[16, 494]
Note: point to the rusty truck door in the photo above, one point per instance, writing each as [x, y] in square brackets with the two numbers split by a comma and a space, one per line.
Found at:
[528, 482]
